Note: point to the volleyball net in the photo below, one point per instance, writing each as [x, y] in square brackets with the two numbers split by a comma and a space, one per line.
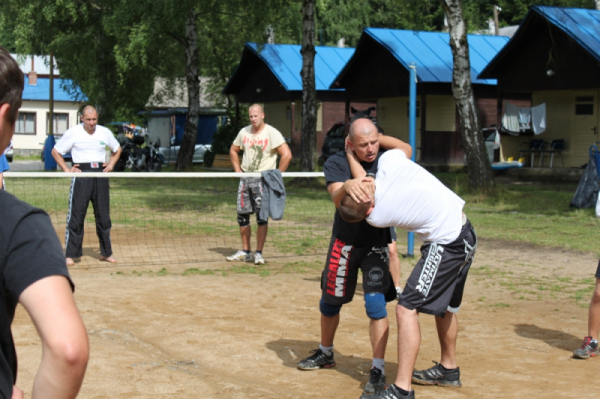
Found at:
[180, 218]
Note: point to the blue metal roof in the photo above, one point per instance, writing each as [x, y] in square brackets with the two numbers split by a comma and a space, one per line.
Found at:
[583, 25]
[432, 54]
[285, 61]
[41, 91]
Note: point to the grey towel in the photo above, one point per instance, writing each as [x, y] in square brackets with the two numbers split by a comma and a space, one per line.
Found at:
[273, 196]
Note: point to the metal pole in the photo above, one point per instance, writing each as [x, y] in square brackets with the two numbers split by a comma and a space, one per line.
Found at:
[412, 136]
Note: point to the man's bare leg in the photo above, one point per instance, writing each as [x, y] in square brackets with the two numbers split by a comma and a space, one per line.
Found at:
[261, 237]
[409, 340]
[108, 259]
[379, 331]
[447, 329]
[394, 263]
[329, 326]
[594, 313]
[246, 232]
[70, 262]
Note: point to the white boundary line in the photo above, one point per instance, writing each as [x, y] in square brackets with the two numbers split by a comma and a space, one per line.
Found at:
[148, 174]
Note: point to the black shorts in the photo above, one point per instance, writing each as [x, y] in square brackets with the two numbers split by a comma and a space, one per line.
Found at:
[598, 271]
[338, 281]
[437, 282]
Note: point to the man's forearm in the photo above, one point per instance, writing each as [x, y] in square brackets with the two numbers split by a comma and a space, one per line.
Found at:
[355, 167]
[60, 161]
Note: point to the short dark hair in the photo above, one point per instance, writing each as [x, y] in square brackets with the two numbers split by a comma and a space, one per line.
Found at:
[351, 211]
[12, 83]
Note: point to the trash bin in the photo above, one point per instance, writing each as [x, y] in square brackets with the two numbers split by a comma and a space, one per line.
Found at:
[49, 162]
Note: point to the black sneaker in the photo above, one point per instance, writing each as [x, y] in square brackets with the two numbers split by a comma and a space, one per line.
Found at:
[316, 361]
[588, 349]
[437, 375]
[376, 381]
[390, 392]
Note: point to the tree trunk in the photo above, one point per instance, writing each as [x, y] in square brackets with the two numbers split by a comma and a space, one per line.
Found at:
[478, 164]
[309, 94]
[188, 143]
[597, 2]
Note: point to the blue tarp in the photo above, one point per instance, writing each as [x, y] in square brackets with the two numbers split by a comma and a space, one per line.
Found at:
[41, 91]
[583, 25]
[285, 61]
[432, 53]
[207, 127]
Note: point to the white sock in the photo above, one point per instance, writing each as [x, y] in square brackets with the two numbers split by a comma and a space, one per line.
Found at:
[380, 364]
[328, 350]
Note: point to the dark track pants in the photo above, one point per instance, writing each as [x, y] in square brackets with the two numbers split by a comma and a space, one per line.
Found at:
[84, 189]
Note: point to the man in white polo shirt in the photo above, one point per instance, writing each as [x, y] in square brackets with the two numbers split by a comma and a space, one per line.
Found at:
[87, 143]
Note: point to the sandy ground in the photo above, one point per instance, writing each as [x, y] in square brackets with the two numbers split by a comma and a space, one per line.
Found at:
[241, 335]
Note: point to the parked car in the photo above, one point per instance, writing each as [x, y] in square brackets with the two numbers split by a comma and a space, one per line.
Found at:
[67, 156]
[332, 142]
[9, 155]
[170, 153]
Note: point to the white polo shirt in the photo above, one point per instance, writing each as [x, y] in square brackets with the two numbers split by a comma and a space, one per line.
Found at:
[409, 197]
[87, 147]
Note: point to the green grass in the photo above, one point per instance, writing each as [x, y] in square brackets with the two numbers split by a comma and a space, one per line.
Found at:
[534, 214]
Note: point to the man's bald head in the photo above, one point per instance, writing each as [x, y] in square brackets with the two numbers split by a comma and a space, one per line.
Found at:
[88, 109]
[352, 211]
[257, 107]
[256, 114]
[361, 126]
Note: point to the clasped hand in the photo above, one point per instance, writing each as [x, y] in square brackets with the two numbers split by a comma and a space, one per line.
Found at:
[361, 189]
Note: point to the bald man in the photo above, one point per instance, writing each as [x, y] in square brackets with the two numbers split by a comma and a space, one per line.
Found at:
[87, 143]
[356, 246]
[261, 143]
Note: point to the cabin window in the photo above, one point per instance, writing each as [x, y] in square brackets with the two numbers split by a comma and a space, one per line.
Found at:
[60, 123]
[584, 105]
[25, 123]
[408, 109]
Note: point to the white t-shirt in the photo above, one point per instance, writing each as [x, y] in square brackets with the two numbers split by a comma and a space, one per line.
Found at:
[409, 197]
[87, 147]
[260, 149]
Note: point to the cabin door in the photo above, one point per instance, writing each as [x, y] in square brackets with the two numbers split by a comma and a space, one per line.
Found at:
[585, 132]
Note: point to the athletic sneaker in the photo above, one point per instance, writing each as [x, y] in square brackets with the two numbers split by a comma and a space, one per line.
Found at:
[240, 255]
[316, 361]
[390, 393]
[588, 349]
[437, 375]
[258, 259]
[376, 381]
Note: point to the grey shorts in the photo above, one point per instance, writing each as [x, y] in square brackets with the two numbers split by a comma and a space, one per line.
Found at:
[437, 282]
[249, 197]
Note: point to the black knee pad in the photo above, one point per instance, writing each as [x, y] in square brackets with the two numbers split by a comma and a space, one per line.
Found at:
[261, 222]
[243, 220]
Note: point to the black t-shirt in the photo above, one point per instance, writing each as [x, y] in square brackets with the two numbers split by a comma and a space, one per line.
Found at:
[29, 251]
[337, 170]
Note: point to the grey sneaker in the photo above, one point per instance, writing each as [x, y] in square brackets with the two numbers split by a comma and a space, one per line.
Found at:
[258, 259]
[390, 393]
[376, 381]
[588, 349]
[437, 375]
[240, 255]
[318, 360]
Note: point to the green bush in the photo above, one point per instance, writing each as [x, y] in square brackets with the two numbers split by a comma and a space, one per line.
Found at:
[223, 139]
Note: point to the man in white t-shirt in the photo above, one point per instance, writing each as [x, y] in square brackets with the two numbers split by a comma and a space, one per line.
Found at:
[87, 143]
[407, 196]
[261, 143]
